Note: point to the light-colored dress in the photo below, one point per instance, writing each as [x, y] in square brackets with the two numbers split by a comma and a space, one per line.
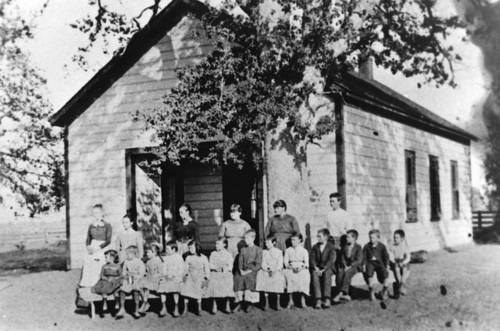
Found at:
[272, 260]
[127, 238]
[133, 274]
[221, 282]
[154, 272]
[297, 281]
[197, 270]
[173, 270]
[234, 232]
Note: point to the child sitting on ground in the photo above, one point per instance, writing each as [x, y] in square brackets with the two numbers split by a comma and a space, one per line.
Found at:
[132, 275]
[221, 275]
[297, 274]
[196, 275]
[173, 270]
[154, 270]
[270, 277]
[350, 262]
[400, 261]
[110, 279]
[249, 263]
[323, 258]
[376, 260]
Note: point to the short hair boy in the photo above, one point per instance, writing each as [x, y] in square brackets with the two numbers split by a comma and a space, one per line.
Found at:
[350, 262]
[323, 257]
[376, 258]
[249, 263]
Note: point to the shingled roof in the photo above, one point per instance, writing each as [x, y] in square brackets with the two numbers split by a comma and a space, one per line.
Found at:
[369, 94]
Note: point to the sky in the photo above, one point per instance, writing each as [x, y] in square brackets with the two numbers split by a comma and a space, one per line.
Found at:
[55, 43]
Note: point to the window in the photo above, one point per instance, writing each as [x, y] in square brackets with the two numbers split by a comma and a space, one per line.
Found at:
[455, 193]
[434, 188]
[411, 187]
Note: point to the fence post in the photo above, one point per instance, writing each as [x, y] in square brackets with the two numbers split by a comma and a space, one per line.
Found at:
[479, 220]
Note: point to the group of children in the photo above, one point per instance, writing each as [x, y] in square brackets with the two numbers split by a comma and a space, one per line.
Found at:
[255, 271]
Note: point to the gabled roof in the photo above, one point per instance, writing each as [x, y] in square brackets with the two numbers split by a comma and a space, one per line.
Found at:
[357, 90]
[375, 97]
[138, 45]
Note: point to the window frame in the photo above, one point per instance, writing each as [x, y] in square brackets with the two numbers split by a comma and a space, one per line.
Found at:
[434, 189]
[455, 190]
[411, 186]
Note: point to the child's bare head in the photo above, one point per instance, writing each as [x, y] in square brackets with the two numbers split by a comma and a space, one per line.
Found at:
[374, 236]
[297, 239]
[351, 236]
[111, 256]
[323, 235]
[250, 237]
[221, 243]
[171, 248]
[132, 252]
[399, 236]
[270, 241]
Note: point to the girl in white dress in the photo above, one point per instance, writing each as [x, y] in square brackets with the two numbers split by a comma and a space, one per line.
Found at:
[221, 274]
[270, 278]
[196, 275]
[298, 278]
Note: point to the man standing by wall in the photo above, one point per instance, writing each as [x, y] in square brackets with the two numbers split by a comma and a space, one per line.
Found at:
[338, 221]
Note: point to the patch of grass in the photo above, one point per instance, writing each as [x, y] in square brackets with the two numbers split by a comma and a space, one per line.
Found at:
[33, 260]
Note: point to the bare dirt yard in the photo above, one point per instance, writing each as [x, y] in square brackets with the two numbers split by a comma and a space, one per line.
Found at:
[453, 290]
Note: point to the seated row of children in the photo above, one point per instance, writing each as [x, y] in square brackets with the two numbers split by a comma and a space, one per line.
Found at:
[256, 270]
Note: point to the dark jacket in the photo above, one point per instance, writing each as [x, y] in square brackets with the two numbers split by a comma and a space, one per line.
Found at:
[353, 261]
[323, 260]
[378, 252]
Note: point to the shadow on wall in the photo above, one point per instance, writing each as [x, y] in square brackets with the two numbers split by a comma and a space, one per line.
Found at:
[286, 141]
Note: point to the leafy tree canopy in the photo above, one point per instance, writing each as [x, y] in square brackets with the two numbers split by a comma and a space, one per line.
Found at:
[271, 59]
[30, 149]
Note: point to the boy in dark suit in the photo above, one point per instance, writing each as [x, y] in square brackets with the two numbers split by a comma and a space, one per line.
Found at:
[322, 265]
[350, 262]
[376, 258]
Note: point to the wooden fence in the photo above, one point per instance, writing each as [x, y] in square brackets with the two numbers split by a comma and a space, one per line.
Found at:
[482, 219]
[30, 234]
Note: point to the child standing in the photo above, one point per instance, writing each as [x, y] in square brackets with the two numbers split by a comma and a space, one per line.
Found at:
[376, 260]
[249, 262]
[132, 275]
[323, 257]
[221, 276]
[349, 264]
[270, 277]
[110, 279]
[297, 274]
[400, 261]
[196, 275]
[154, 271]
[129, 237]
[173, 270]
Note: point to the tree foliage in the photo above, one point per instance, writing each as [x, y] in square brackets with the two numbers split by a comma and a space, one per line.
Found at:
[271, 59]
[30, 149]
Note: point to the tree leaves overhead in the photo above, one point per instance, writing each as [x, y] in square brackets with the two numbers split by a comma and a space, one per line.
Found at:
[30, 149]
[272, 57]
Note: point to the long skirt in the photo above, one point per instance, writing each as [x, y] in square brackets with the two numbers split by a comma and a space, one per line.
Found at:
[193, 287]
[266, 283]
[220, 285]
[170, 285]
[298, 282]
[92, 265]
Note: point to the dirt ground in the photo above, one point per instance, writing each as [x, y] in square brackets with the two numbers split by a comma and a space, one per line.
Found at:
[452, 291]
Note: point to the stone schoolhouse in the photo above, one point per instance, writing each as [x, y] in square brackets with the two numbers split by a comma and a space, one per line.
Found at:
[397, 164]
